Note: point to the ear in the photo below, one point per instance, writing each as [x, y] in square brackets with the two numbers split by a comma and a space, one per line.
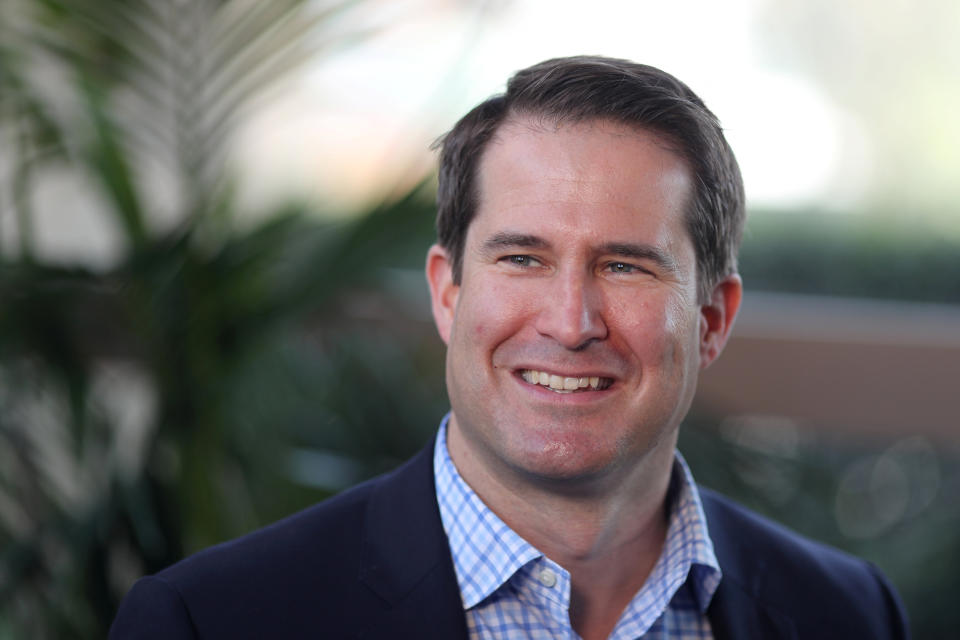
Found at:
[443, 292]
[717, 316]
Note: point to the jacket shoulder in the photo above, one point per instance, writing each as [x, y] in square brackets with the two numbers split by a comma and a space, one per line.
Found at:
[332, 523]
[284, 580]
[814, 585]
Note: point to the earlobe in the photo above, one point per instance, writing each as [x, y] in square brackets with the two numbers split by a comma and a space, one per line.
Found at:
[717, 316]
[443, 291]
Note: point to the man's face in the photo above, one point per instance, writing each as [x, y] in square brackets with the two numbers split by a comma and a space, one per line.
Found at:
[578, 273]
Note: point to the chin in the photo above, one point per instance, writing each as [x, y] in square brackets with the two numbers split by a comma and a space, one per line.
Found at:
[564, 462]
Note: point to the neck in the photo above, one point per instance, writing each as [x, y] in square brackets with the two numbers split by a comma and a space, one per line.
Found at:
[608, 533]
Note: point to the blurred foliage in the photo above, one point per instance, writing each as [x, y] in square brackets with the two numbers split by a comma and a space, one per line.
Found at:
[143, 410]
[815, 253]
[217, 377]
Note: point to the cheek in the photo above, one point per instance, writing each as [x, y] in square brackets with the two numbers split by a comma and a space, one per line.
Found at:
[679, 315]
[662, 332]
[489, 314]
[683, 324]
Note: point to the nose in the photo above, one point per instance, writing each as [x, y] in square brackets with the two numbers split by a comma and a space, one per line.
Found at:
[571, 311]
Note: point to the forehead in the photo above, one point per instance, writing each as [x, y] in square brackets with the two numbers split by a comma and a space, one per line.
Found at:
[596, 177]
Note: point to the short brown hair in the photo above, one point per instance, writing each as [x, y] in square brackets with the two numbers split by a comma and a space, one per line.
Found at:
[595, 88]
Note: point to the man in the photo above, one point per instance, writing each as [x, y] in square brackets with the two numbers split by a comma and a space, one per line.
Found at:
[585, 272]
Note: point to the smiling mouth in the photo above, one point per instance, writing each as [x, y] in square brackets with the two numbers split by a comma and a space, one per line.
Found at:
[565, 384]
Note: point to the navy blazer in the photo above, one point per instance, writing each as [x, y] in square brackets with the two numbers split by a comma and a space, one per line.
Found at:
[373, 562]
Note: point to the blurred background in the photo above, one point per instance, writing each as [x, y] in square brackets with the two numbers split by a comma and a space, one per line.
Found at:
[213, 219]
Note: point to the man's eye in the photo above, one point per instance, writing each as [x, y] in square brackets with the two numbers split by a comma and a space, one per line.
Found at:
[622, 267]
[522, 261]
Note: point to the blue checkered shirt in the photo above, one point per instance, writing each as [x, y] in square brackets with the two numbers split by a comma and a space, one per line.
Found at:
[511, 590]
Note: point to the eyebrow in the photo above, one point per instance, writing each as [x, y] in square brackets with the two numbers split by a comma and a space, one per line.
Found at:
[504, 239]
[627, 250]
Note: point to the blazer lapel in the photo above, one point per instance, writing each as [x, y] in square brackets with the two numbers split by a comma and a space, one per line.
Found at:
[406, 565]
[737, 610]
[736, 615]
[406, 559]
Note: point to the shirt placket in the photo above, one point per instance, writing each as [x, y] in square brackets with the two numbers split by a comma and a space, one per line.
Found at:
[545, 585]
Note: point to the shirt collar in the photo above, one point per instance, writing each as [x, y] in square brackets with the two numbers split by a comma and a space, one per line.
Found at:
[688, 549]
[487, 553]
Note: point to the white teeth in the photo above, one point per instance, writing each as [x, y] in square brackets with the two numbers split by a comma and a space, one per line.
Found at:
[560, 383]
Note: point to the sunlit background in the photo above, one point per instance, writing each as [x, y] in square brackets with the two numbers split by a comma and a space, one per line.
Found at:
[213, 216]
[848, 108]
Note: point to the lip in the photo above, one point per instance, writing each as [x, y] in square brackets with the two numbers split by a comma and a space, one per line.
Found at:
[565, 372]
[580, 397]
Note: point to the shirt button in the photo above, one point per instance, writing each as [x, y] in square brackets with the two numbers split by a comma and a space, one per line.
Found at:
[548, 578]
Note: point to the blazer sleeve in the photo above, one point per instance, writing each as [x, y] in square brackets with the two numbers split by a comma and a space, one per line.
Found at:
[152, 610]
